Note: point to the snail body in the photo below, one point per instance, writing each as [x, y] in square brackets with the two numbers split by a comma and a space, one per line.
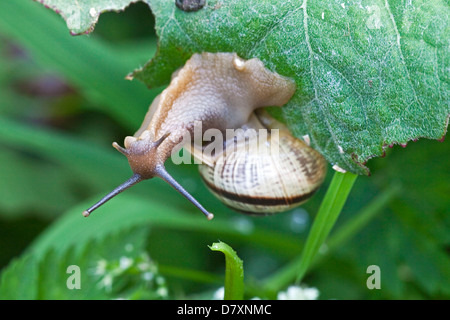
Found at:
[221, 91]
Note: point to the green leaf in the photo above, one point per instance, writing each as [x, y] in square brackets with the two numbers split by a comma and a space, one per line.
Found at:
[234, 271]
[368, 74]
[110, 268]
[19, 280]
[91, 65]
[82, 15]
[429, 265]
[329, 211]
[288, 273]
[130, 210]
[324, 221]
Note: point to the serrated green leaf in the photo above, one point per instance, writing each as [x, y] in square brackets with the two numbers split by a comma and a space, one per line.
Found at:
[130, 210]
[369, 74]
[19, 280]
[82, 15]
[114, 267]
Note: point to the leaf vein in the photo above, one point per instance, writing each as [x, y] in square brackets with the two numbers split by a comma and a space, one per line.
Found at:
[402, 58]
[311, 61]
[272, 28]
[172, 18]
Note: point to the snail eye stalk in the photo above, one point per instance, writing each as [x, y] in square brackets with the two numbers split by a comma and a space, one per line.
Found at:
[135, 178]
[163, 174]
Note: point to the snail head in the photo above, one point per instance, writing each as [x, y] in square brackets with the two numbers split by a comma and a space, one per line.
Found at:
[142, 154]
[146, 161]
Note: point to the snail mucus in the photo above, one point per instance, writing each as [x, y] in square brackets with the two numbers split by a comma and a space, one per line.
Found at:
[222, 92]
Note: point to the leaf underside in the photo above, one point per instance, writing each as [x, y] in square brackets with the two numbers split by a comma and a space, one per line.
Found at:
[369, 74]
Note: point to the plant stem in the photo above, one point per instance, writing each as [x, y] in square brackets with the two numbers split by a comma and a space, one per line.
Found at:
[234, 272]
[285, 276]
[327, 215]
[329, 211]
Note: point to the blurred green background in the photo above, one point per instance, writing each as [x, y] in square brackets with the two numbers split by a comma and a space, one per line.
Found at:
[64, 100]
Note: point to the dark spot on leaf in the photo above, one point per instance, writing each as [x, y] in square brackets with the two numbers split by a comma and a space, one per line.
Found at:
[190, 5]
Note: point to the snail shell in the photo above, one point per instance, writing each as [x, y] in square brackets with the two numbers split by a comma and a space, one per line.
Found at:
[280, 173]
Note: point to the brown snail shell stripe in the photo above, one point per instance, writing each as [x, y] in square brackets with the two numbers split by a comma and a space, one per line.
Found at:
[264, 183]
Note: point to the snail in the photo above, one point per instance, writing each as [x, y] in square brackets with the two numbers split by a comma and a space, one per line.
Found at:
[222, 91]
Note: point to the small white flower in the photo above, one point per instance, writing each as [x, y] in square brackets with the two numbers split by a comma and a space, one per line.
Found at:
[100, 268]
[162, 292]
[144, 263]
[106, 282]
[219, 294]
[160, 281]
[144, 266]
[148, 276]
[298, 293]
[125, 262]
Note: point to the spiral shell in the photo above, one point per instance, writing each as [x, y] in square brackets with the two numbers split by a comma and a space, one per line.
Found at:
[280, 174]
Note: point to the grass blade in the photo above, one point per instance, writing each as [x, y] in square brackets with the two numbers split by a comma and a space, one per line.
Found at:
[88, 63]
[234, 272]
[329, 211]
